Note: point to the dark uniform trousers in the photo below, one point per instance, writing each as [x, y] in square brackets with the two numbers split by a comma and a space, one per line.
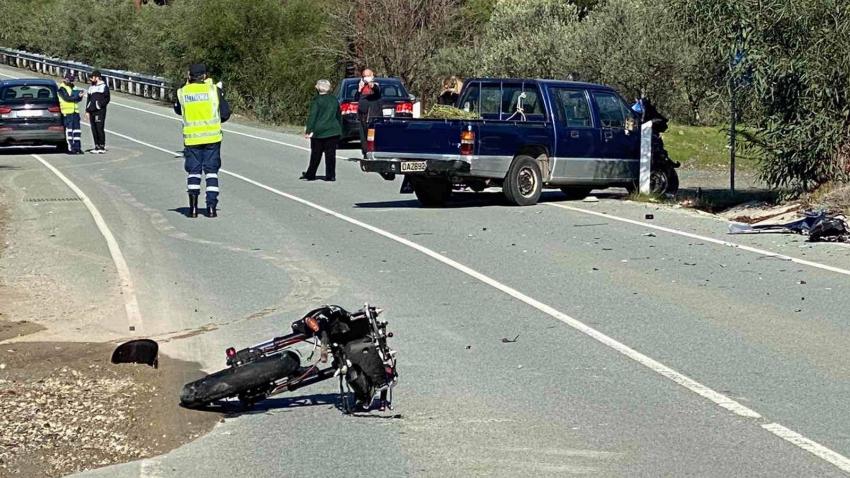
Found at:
[203, 160]
[73, 132]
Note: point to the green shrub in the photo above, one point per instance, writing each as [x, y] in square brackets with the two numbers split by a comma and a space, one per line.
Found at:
[449, 112]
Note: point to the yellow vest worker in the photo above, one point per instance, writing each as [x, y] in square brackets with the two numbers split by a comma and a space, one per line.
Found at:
[69, 105]
[203, 108]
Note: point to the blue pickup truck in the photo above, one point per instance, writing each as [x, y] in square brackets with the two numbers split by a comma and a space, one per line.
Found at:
[531, 135]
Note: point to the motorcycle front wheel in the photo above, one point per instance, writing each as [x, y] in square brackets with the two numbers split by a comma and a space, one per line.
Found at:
[241, 380]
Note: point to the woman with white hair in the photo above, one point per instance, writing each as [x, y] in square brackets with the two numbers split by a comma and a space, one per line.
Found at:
[324, 128]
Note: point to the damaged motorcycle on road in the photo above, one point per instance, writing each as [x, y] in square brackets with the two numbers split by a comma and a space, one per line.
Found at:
[355, 342]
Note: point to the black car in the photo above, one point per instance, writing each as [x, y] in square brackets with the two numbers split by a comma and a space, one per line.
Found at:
[30, 114]
[395, 102]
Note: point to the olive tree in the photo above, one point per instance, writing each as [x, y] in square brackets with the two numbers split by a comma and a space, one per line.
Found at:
[792, 57]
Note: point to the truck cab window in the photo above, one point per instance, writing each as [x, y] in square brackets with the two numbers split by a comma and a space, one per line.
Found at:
[491, 100]
[573, 108]
[612, 112]
[532, 105]
[469, 101]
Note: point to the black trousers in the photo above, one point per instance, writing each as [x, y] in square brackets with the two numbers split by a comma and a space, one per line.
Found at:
[98, 128]
[364, 127]
[318, 147]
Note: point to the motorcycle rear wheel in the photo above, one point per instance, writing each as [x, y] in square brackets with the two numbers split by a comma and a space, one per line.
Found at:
[234, 381]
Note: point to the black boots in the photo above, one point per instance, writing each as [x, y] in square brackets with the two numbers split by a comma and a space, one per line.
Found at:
[193, 205]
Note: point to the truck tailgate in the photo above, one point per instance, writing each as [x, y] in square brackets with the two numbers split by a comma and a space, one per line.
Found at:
[407, 138]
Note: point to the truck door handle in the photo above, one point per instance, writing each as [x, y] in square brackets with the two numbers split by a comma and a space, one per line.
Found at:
[607, 134]
[573, 134]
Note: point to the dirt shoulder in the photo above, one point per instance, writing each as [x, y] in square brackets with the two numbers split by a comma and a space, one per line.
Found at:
[66, 408]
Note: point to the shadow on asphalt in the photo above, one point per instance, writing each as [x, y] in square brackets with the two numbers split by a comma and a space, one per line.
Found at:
[184, 211]
[466, 199]
[233, 408]
[23, 150]
[716, 199]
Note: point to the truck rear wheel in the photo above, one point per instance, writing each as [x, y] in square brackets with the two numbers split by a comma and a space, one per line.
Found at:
[431, 192]
[524, 182]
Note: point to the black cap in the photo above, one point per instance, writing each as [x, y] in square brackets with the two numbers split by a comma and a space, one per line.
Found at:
[197, 69]
[96, 73]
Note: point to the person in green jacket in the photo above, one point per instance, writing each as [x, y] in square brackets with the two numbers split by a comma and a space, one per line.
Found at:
[324, 128]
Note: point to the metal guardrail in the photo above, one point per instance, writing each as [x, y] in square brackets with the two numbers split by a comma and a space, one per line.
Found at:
[147, 86]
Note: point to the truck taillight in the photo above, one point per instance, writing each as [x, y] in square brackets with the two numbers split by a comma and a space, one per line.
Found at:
[467, 143]
[370, 140]
[348, 108]
[4, 110]
[404, 108]
[54, 109]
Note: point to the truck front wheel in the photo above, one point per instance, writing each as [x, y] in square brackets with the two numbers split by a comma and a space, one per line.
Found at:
[523, 183]
[431, 192]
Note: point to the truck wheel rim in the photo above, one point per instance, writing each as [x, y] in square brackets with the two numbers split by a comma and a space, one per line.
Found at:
[527, 182]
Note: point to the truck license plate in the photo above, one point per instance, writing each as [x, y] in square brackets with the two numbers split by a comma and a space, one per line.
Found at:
[388, 111]
[413, 166]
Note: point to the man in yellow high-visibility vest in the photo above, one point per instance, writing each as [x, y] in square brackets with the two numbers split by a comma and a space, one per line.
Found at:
[203, 108]
[69, 106]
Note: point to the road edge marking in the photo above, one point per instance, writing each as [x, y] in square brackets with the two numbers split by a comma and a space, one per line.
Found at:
[698, 237]
[810, 446]
[125, 280]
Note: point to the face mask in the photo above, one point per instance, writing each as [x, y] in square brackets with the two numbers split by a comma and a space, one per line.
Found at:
[368, 79]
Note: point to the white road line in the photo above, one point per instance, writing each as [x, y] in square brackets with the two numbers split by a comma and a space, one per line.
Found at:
[125, 280]
[657, 367]
[812, 447]
[712, 240]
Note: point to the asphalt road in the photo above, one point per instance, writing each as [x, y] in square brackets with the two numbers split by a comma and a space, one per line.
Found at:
[662, 354]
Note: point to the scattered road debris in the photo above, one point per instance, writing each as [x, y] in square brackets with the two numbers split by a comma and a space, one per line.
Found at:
[509, 341]
[820, 226]
[590, 199]
[648, 234]
[649, 216]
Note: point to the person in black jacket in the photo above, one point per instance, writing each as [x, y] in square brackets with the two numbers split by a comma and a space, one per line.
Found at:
[98, 98]
[368, 98]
